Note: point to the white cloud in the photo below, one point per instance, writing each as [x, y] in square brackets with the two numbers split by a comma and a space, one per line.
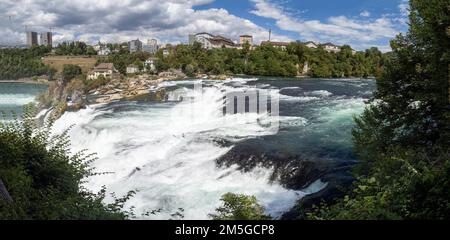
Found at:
[338, 29]
[120, 20]
[365, 13]
[404, 8]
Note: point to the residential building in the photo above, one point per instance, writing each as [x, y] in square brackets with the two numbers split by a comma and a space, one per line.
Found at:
[330, 47]
[192, 39]
[149, 64]
[47, 39]
[104, 51]
[152, 42]
[135, 45]
[97, 47]
[209, 41]
[246, 39]
[166, 52]
[132, 69]
[310, 44]
[32, 39]
[106, 70]
[151, 46]
[281, 45]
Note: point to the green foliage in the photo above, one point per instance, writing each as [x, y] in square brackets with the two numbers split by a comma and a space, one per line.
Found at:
[402, 138]
[20, 63]
[74, 48]
[45, 180]
[239, 207]
[123, 58]
[70, 71]
[92, 84]
[267, 60]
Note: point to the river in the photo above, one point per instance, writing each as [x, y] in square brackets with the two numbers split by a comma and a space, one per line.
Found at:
[13, 96]
[188, 161]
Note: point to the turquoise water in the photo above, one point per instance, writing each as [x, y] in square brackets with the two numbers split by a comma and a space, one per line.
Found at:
[13, 96]
[186, 154]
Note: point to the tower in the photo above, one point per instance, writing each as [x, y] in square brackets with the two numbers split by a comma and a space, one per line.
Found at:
[46, 39]
[32, 39]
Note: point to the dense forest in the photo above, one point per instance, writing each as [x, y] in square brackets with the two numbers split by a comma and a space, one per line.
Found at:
[20, 63]
[266, 60]
[74, 48]
[403, 138]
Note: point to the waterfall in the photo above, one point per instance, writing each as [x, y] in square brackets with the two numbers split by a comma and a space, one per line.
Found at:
[167, 152]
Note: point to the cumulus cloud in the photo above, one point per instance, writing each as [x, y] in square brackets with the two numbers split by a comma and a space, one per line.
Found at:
[338, 29]
[120, 20]
[365, 13]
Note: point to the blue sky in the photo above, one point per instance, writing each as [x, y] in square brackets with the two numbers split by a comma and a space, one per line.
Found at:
[361, 11]
[359, 23]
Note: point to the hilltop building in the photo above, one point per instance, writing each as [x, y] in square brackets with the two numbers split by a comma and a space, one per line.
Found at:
[104, 51]
[165, 52]
[149, 64]
[311, 44]
[246, 39]
[106, 70]
[209, 41]
[151, 46]
[135, 46]
[32, 39]
[330, 47]
[47, 39]
[131, 69]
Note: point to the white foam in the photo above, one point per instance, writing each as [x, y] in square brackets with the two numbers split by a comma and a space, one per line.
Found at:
[320, 93]
[16, 99]
[173, 147]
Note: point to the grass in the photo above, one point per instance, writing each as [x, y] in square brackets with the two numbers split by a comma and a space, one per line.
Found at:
[57, 62]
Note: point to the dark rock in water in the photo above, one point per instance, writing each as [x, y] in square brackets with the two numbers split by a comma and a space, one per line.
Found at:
[158, 95]
[337, 187]
[299, 174]
[222, 142]
[291, 171]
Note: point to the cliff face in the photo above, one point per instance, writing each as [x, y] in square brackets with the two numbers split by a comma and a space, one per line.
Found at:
[129, 88]
[62, 97]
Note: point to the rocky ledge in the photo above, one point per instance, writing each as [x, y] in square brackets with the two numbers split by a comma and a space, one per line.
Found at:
[131, 87]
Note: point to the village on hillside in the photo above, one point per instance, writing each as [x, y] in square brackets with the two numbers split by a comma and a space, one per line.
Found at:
[207, 41]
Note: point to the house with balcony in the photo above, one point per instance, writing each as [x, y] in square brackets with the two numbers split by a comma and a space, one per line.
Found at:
[132, 69]
[330, 47]
[107, 70]
[209, 41]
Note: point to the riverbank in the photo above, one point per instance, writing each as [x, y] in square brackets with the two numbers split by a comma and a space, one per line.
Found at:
[45, 82]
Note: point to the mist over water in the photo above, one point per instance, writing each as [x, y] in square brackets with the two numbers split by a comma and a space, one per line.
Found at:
[167, 151]
[13, 96]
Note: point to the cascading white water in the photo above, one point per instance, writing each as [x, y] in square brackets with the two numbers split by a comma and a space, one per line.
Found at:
[167, 152]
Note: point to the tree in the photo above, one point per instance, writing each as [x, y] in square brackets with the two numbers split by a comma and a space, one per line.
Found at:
[44, 180]
[19, 63]
[402, 138]
[239, 207]
[70, 71]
